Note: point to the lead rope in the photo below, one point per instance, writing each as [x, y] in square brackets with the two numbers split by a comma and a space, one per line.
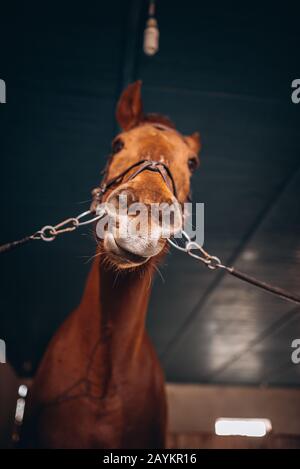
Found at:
[214, 263]
[50, 232]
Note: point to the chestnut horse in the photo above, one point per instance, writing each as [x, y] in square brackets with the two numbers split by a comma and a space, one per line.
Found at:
[100, 384]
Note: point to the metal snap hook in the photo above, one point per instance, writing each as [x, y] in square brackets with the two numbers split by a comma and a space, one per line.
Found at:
[50, 230]
[193, 245]
[214, 263]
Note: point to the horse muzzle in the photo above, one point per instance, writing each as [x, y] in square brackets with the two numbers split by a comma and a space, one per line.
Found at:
[136, 231]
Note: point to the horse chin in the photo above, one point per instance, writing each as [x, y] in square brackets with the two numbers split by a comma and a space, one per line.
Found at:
[123, 258]
[127, 260]
[123, 263]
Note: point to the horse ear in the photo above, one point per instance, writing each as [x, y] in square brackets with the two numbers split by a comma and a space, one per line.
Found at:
[130, 107]
[194, 142]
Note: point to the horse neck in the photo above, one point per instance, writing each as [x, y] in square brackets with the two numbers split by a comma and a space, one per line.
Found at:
[116, 303]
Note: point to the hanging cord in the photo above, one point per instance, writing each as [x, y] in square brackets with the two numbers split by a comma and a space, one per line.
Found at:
[151, 33]
[192, 248]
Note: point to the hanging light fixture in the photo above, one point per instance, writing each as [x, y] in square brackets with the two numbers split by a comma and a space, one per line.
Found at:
[151, 33]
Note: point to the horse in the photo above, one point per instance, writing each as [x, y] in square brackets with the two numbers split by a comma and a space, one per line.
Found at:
[100, 384]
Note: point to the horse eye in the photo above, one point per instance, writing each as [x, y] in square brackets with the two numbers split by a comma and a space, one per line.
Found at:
[193, 164]
[117, 146]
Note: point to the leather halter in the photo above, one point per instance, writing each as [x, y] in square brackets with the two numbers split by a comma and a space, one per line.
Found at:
[142, 165]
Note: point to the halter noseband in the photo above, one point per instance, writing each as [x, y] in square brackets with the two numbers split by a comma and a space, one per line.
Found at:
[142, 165]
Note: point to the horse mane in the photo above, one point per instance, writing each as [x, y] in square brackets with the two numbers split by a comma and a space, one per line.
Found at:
[158, 119]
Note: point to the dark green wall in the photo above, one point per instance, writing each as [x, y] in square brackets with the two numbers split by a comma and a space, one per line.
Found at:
[222, 69]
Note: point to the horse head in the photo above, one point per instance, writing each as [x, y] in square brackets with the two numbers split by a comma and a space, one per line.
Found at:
[157, 162]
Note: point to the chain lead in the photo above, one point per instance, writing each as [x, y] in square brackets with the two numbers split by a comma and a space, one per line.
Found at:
[49, 232]
[212, 262]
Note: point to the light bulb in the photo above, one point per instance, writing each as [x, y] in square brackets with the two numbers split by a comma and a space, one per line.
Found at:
[151, 37]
